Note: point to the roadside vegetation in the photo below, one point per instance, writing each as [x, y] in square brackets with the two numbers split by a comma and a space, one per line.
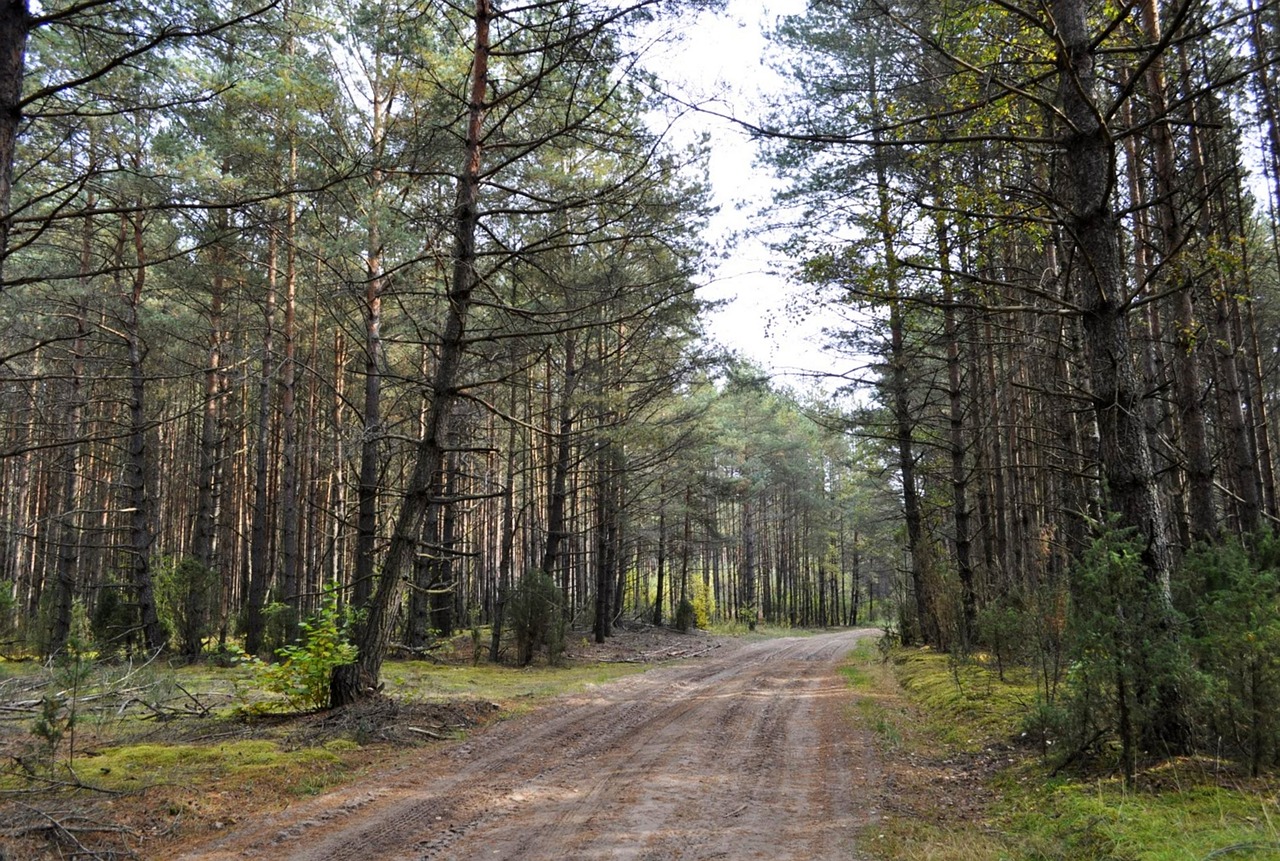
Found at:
[982, 782]
[120, 757]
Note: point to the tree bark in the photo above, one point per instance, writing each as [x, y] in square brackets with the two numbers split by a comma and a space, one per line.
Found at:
[960, 514]
[351, 682]
[15, 27]
[1096, 271]
[368, 490]
[259, 537]
[1195, 440]
[137, 465]
[557, 492]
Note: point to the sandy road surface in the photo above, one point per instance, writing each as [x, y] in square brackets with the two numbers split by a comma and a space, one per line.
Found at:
[747, 753]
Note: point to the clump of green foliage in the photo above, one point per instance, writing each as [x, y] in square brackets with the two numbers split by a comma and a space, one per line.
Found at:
[1230, 594]
[537, 617]
[114, 624]
[1155, 674]
[8, 617]
[187, 595]
[1004, 628]
[301, 675]
[1127, 661]
[1033, 815]
[704, 604]
[686, 616]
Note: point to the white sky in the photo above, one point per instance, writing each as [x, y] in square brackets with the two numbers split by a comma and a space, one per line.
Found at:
[720, 63]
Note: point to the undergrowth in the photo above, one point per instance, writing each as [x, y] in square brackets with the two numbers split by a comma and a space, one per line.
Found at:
[932, 712]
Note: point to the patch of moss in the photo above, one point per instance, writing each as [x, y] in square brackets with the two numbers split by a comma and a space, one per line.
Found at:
[1183, 810]
[966, 701]
[138, 765]
[421, 680]
[1064, 820]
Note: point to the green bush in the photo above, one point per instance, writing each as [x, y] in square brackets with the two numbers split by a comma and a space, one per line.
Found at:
[1129, 674]
[686, 616]
[301, 675]
[704, 604]
[535, 614]
[187, 596]
[1004, 629]
[115, 622]
[1231, 595]
[8, 617]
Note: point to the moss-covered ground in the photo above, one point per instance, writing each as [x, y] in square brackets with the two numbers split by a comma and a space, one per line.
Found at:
[117, 757]
[966, 784]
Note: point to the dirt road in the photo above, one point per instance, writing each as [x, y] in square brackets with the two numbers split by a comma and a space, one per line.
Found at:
[747, 753]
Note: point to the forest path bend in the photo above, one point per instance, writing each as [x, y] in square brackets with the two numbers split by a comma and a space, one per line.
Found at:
[749, 753]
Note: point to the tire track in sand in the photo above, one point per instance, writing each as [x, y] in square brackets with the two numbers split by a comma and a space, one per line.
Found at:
[745, 754]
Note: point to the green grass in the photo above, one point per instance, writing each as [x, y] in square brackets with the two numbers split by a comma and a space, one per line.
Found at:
[924, 703]
[241, 763]
[1063, 820]
[966, 701]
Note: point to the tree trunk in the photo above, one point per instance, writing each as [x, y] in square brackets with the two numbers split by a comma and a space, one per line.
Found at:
[259, 537]
[15, 25]
[557, 492]
[608, 544]
[367, 492]
[290, 556]
[749, 610]
[204, 529]
[137, 465]
[662, 553]
[69, 518]
[955, 424]
[1095, 270]
[506, 560]
[355, 681]
[1195, 441]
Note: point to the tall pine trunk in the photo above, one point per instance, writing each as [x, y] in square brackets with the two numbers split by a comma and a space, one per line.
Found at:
[259, 528]
[1095, 268]
[15, 25]
[139, 458]
[351, 682]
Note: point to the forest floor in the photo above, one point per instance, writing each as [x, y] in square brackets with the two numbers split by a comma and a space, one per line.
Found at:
[655, 745]
[722, 748]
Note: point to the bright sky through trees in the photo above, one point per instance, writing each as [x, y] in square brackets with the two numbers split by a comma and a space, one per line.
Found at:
[720, 66]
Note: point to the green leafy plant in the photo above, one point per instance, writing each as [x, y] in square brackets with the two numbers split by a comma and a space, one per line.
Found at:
[114, 623]
[686, 616]
[1232, 596]
[301, 675]
[1127, 660]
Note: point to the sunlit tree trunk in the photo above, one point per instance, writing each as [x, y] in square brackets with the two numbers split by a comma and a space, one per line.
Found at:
[259, 529]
